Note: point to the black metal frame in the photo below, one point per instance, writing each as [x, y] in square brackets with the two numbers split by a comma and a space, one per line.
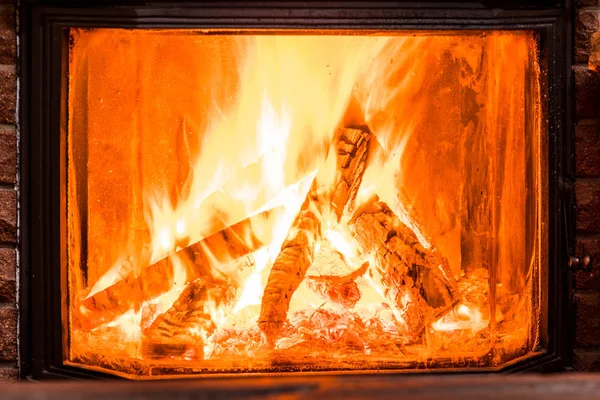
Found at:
[41, 41]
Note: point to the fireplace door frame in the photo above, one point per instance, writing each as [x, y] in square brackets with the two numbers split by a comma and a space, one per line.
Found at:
[42, 134]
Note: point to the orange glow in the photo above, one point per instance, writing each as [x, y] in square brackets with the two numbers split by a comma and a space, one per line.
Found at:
[244, 202]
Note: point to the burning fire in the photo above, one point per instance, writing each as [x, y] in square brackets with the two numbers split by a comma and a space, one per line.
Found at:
[293, 228]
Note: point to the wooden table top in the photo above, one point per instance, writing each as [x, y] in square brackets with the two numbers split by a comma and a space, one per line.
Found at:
[464, 387]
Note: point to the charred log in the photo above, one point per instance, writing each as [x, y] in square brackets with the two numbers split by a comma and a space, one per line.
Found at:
[337, 285]
[297, 252]
[341, 279]
[339, 289]
[184, 327]
[353, 150]
[290, 266]
[346, 294]
[130, 292]
[415, 279]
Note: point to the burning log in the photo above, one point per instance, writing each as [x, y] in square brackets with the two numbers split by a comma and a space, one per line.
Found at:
[353, 150]
[231, 242]
[184, 327]
[297, 252]
[346, 294]
[337, 279]
[414, 278]
[290, 266]
[342, 290]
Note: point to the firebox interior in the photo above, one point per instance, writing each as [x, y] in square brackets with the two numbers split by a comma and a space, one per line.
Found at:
[262, 201]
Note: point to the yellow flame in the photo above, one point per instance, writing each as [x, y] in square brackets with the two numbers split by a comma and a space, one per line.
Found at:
[295, 92]
[266, 150]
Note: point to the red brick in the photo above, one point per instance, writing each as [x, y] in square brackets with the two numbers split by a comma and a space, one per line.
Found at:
[587, 87]
[8, 155]
[9, 375]
[8, 43]
[589, 279]
[587, 360]
[588, 205]
[587, 22]
[8, 216]
[8, 96]
[8, 284]
[586, 3]
[587, 150]
[8, 334]
[587, 325]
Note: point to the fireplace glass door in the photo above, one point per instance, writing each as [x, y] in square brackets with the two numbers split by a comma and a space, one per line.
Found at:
[268, 201]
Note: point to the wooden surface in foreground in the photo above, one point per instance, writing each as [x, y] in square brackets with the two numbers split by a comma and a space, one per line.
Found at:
[467, 387]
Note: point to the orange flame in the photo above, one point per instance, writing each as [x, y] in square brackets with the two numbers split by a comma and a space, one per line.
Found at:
[270, 136]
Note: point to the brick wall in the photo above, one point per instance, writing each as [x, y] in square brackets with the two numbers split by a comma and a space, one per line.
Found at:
[8, 193]
[587, 188]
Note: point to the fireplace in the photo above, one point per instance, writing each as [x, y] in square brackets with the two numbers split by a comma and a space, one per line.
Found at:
[249, 188]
